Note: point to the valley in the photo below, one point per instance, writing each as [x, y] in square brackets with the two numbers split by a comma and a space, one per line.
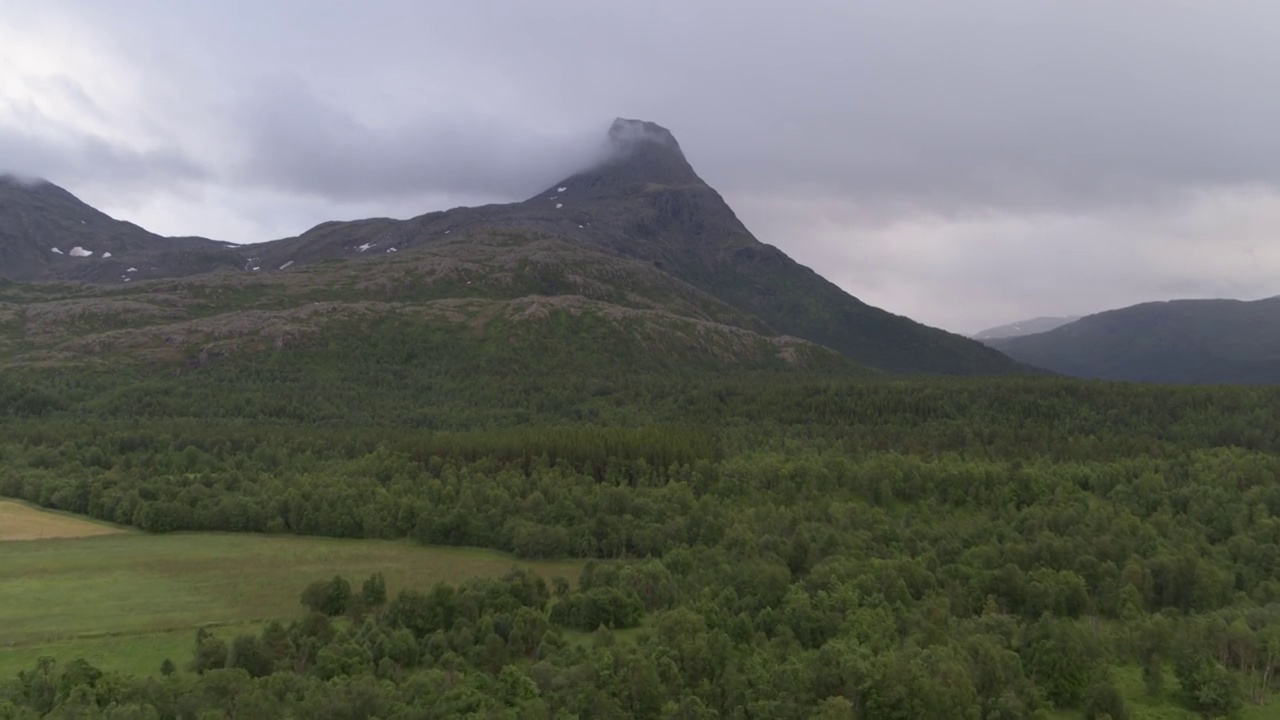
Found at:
[600, 453]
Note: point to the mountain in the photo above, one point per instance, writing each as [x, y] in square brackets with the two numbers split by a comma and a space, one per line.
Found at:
[640, 230]
[645, 202]
[46, 233]
[1024, 327]
[1179, 341]
[471, 313]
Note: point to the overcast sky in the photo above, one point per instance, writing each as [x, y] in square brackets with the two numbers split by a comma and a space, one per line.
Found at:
[964, 163]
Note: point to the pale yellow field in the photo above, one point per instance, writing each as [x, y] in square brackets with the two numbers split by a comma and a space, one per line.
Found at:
[19, 521]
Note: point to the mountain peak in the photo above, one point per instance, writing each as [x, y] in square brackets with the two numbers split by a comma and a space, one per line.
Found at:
[638, 154]
[12, 180]
[627, 135]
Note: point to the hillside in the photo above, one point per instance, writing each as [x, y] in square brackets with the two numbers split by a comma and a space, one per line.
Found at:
[432, 336]
[1023, 327]
[641, 220]
[646, 203]
[1180, 341]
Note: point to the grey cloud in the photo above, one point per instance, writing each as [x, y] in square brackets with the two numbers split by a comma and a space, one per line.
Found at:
[79, 159]
[872, 139]
[294, 141]
[36, 144]
[984, 270]
[931, 104]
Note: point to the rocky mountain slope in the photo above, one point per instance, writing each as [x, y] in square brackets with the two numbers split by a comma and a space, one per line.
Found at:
[485, 295]
[640, 230]
[46, 233]
[646, 203]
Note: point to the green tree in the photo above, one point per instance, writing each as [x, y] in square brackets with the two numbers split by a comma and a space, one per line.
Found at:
[374, 591]
[330, 598]
[210, 652]
[1102, 699]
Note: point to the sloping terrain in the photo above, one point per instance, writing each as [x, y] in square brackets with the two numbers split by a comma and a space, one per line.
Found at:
[495, 294]
[645, 203]
[46, 233]
[1181, 341]
[640, 229]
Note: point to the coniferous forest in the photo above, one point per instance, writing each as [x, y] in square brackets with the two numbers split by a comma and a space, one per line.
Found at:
[760, 544]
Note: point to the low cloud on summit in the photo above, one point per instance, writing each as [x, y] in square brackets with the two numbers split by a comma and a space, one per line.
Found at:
[966, 164]
[297, 142]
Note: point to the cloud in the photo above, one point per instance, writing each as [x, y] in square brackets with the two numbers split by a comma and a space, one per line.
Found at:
[294, 141]
[52, 126]
[88, 159]
[958, 162]
[985, 269]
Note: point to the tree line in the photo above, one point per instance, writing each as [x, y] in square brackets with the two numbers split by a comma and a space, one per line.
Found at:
[763, 546]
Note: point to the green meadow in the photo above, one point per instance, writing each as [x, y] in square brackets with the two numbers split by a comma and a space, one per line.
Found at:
[127, 601]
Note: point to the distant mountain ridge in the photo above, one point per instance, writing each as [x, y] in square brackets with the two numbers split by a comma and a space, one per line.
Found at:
[1177, 341]
[1024, 327]
[643, 206]
[46, 233]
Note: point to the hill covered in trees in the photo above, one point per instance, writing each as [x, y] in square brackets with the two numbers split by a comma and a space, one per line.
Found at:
[1180, 341]
[768, 542]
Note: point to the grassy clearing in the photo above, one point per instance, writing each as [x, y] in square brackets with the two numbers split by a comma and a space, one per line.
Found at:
[19, 521]
[585, 639]
[135, 654]
[1166, 707]
[131, 599]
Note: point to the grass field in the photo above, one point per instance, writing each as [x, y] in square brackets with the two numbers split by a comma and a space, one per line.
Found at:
[19, 521]
[1141, 706]
[127, 601]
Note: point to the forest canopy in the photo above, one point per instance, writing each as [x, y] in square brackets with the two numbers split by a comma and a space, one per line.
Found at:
[763, 544]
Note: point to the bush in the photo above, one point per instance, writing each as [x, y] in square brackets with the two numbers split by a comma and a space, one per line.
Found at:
[331, 597]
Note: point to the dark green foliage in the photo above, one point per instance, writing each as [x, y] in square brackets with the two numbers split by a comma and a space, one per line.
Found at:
[328, 598]
[373, 592]
[1103, 700]
[22, 400]
[210, 653]
[1061, 656]
[798, 547]
[251, 655]
[1207, 687]
[588, 610]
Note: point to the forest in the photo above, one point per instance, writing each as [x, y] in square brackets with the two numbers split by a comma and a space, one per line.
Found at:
[762, 545]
